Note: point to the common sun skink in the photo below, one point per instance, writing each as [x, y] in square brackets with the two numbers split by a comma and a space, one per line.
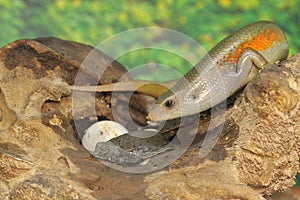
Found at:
[230, 65]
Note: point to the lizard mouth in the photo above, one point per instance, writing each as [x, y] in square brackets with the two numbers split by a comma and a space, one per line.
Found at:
[156, 114]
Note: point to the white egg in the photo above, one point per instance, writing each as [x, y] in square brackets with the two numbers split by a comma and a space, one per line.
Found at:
[102, 131]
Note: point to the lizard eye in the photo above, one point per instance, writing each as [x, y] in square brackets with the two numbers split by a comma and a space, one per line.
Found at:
[169, 103]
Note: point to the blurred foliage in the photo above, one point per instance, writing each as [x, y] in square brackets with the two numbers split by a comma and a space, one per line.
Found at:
[91, 22]
[297, 180]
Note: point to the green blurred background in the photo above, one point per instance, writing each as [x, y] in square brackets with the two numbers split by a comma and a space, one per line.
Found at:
[90, 22]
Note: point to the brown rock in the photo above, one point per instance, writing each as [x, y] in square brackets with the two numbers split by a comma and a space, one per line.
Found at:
[41, 157]
[265, 152]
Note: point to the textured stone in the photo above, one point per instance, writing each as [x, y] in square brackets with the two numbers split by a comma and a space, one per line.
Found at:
[41, 156]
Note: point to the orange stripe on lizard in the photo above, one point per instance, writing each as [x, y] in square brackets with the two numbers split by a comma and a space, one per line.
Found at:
[261, 42]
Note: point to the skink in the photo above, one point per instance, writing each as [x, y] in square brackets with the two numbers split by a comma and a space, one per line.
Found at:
[230, 65]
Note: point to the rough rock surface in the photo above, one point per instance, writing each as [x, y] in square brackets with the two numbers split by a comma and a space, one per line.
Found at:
[41, 156]
[262, 152]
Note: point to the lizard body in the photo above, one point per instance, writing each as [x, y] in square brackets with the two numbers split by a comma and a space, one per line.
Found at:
[230, 65]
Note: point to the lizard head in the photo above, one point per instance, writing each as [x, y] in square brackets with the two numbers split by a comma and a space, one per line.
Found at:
[174, 105]
[164, 110]
[188, 98]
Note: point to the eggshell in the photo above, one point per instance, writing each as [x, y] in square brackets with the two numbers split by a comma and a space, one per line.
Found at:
[102, 131]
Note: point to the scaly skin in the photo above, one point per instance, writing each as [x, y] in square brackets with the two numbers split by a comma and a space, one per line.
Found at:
[147, 87]
[228, 66]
